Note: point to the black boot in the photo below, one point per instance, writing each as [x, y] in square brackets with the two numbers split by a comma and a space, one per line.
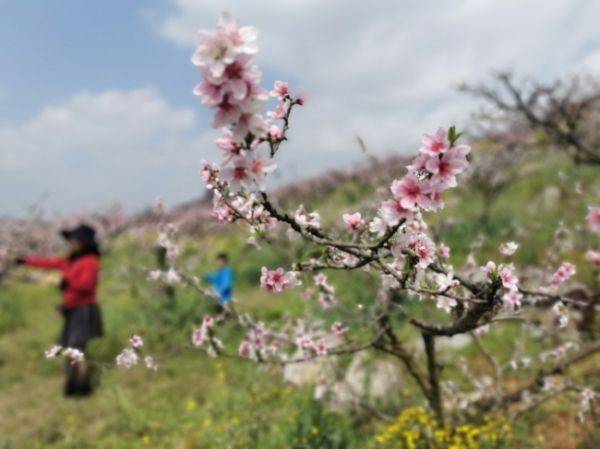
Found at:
[71, 382]
[78, 383]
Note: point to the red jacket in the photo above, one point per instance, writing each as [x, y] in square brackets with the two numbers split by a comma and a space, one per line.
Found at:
[81, 276]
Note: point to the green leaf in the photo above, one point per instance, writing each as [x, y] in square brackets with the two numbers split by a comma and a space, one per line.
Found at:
[453, 136]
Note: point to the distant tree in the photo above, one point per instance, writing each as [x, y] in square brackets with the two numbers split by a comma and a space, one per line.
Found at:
[564, 115]
[501, 158]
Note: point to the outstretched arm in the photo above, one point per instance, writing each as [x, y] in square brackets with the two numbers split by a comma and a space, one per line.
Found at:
[41, 262]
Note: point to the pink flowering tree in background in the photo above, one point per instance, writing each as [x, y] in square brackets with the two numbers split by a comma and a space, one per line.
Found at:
[39, 232]
[392, 242]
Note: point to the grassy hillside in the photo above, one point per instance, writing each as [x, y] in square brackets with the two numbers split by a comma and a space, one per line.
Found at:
[194, 401]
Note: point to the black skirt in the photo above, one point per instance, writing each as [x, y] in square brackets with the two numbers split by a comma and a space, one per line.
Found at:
[81, 325]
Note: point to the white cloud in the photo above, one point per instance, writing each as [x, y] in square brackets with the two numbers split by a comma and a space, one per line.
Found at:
[387, 69]
[96, 148]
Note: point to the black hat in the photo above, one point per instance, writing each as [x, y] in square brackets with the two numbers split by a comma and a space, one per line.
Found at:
[84, 233]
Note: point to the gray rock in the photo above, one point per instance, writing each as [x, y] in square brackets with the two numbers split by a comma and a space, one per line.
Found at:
[309, 373]
[458, 341]
[373, 378]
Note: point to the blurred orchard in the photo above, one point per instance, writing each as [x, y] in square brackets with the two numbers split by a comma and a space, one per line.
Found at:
[443, 300]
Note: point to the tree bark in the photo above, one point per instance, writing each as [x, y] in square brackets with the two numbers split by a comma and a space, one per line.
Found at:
[161, 260]
[433, 369]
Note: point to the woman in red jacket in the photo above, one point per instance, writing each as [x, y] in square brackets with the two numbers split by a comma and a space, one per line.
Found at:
[82, 317]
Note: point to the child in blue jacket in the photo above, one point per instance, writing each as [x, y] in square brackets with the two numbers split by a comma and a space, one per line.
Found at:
[222, 280]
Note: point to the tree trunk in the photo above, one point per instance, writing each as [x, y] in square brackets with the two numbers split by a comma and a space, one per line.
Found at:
[433, 369]
[161, 260]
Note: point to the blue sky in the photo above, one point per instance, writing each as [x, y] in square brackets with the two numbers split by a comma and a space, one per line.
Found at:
[96, 104]
[52, 49]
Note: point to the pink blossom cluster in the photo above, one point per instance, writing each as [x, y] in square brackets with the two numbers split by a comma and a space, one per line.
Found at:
[512, 299]
[131, 355]
[423, 247]
[259, 343]
[523, 362]
[510, 282]
[419, 245]
[326, 291]
[354, 222]
[338, 329]
[166, 241]
[72, 354]
[444, 282]
[222, 211]
[428, 176]
[201, 334]
[508, 248]
[550, 383]
[564, 272]
[446, 303]
[278, 280]
[170, 276]
[210, 176]
[593, 256]
[150, 363]
[227, 209]
[248, 169]
[558, 353]
[342, 258]
[127, 358]
[308, 343]
[231, 80]
[136, 341]
[593, 219]
[443, 251]
[307, 219]
[562, 314]
[432, 172]
[587, 397]
[388, 283]
[508, 278]
[482, 330]
[231, 86]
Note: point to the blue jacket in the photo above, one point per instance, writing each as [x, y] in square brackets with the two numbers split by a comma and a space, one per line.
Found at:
[222, 282]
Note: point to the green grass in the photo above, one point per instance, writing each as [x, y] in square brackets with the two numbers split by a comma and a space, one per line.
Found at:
[192, 401]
